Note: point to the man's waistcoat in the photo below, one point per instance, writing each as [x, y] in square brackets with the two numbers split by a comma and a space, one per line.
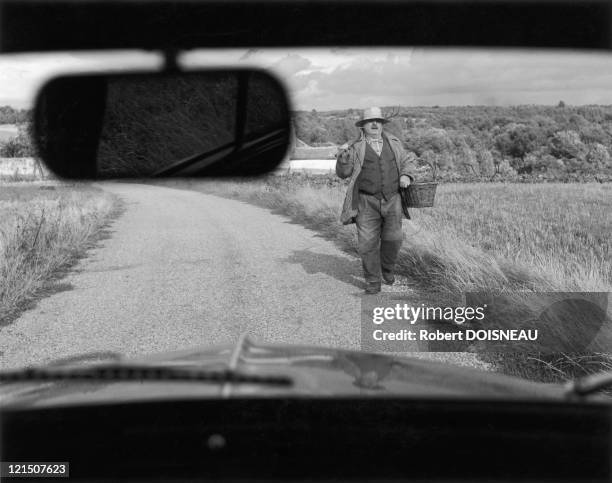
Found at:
[379, 176]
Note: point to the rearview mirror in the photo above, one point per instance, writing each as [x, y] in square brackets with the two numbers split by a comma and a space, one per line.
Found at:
[210, 123]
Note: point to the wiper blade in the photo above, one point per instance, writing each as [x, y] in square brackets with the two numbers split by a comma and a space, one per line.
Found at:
[249, 147]
[589, 384]
[119, 372]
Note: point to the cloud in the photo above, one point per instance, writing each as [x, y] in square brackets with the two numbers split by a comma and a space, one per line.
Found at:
[22, 75]
[450, 77]
[291, 64]
[332, 78]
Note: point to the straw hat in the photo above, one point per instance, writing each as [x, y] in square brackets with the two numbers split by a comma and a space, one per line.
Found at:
[371, 114]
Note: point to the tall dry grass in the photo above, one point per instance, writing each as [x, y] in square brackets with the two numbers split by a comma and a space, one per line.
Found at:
[501, 238]
[541, 236]
[43, 231]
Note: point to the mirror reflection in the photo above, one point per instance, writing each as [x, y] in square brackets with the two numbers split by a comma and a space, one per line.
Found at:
[183, 124]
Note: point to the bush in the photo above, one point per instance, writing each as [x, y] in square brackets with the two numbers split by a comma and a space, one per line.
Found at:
[18, 147]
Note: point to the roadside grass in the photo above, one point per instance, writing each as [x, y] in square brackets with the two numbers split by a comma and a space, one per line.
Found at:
[559, 231]
[496, 237]
[43, 230]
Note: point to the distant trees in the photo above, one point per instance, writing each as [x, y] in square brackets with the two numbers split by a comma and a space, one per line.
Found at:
[19, 146]
[502, 167]
[437, 162]
[592, 113]
[461, 141]
[594, 133]
[598, 157]
[431, 139]
[10, 115]
[484, 158]
[567, 144]
[517, 141]
[314, 129]
[486, 140]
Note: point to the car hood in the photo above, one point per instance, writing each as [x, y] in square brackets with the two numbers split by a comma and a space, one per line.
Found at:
[315, 371]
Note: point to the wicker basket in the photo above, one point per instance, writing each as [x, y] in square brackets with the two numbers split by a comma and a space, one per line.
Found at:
[419, 195]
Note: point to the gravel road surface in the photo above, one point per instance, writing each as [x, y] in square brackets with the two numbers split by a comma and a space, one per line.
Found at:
[184, 269]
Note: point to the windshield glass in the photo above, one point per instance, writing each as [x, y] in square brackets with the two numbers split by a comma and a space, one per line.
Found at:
[446, 204]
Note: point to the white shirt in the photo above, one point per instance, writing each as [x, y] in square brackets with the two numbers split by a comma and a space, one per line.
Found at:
[375, 143]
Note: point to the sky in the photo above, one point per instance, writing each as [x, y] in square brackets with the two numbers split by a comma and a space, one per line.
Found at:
[340, 78]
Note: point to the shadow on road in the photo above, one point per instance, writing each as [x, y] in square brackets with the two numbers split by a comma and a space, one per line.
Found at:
[341, 268]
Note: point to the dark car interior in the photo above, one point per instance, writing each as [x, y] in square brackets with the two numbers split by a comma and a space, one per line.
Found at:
[301, 438]
[289, 439]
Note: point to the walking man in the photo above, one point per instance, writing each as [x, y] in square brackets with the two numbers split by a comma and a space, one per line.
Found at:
[378, 166]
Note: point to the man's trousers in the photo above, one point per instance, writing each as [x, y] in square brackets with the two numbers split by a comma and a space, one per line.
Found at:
[379, 234]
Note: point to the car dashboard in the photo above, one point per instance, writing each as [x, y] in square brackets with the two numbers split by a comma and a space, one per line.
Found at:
[285, 439]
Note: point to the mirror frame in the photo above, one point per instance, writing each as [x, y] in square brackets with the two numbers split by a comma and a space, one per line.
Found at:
[69, 114]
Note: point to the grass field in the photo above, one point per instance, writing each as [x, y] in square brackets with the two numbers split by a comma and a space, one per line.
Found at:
[480, 237]
[561, 232]
[43, 229]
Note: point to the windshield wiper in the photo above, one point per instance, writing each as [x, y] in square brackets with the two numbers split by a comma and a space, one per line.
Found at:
[250, 147]
[119, 372]
[587, 385]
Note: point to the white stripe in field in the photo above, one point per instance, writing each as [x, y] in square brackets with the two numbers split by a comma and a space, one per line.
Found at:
[310, 164]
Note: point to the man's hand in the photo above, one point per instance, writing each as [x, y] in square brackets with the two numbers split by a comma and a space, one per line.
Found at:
[341, 150]
[404, 181]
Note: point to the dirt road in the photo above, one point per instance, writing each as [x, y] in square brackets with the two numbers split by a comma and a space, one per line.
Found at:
[182, 269]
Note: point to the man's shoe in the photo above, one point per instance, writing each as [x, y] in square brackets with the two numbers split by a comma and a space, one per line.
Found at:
[372, 288]
[388, 278]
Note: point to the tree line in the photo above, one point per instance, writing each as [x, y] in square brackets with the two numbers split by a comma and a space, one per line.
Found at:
[555, 142]
[10, 115]
[485, 141]
[19, 146]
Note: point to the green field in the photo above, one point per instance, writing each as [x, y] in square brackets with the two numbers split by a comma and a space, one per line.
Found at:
[43, 229]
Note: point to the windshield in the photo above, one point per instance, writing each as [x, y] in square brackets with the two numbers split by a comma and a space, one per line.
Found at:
[447, 204]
